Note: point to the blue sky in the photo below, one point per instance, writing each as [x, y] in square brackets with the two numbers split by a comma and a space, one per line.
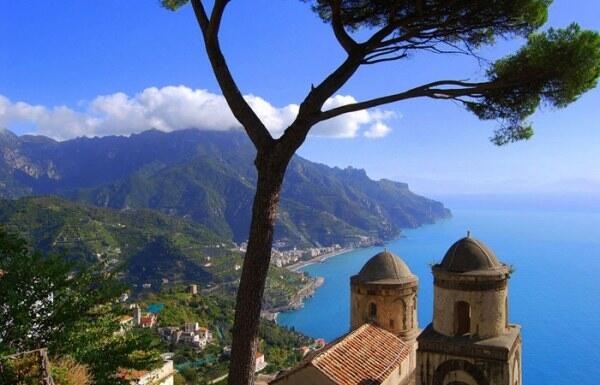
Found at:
[58, 60]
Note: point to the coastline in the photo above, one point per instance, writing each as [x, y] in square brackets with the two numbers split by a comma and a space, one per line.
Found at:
[297, 301]
[307, 291]
[320, 258]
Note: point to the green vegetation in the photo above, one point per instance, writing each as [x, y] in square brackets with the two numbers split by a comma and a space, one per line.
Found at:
[89, 233]
[23, 370]
[48, 302]
[148, 246]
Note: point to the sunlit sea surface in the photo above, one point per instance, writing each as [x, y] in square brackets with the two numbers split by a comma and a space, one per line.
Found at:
[554, 293]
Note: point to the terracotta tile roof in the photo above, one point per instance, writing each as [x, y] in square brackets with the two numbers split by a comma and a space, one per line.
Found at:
[148, 320]
[364, 356]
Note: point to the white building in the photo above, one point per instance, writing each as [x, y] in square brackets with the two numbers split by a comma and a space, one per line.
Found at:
[192, 334]
[260, 363]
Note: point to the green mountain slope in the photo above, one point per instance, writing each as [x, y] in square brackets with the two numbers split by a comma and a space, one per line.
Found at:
[148, 246]
[209, 177]
[87, 233]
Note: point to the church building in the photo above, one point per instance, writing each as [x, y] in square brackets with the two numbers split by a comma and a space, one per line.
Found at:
[469, 342]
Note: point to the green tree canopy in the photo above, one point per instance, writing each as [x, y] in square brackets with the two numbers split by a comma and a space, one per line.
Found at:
[48, 302]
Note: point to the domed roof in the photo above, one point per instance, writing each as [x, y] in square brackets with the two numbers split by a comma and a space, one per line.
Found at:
[469, 254]
[384, 266]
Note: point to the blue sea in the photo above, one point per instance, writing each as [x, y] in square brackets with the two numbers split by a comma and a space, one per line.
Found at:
[554, 293]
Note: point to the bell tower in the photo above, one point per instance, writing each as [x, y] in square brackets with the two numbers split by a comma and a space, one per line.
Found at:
[384, 293]
[470, 340]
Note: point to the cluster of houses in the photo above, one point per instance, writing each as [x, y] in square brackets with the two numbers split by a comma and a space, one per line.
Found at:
[282, 258]
[137, 319]
[191, 334]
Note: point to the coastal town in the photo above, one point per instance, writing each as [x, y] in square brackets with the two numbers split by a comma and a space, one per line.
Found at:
[292, 257]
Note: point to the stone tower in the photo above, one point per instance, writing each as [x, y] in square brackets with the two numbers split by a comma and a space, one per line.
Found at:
[470, 341]
[137, 315]
[384, 293]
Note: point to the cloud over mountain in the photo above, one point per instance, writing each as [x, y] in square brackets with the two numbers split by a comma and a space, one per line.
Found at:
[173, 108]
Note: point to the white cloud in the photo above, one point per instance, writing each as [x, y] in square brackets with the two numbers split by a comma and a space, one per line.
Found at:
[178, 107]
[377, 130]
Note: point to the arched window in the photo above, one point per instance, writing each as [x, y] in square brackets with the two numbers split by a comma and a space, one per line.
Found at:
[372, 311]
[462, 318]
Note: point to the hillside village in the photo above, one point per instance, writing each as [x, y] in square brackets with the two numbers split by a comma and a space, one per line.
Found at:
[195, 339]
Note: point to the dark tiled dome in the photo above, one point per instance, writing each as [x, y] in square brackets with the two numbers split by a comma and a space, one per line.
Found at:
[384, 266]
[469, 254]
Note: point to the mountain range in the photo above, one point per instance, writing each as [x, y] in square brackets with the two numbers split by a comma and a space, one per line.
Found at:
[208, 177]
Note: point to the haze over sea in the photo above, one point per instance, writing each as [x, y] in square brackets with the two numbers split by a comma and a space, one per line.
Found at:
[554, 292]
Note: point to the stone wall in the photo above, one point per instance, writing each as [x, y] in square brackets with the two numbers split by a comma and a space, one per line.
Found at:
[488, 313]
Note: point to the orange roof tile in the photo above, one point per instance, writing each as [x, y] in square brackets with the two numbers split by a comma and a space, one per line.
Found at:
[148, 320]
[364, 356]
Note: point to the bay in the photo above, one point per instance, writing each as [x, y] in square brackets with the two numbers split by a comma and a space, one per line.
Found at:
[554, 293]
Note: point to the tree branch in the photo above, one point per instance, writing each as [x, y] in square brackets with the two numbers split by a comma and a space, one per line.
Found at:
[427, 90]
[310, 108]
[254, 127]
[345, 40]
[200, 13]
[371, 51]
[372, 60]
[374, 54]
[216, 15]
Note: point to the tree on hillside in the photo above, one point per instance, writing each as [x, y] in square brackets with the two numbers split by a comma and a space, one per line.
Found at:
[48, 302]
[554, 68]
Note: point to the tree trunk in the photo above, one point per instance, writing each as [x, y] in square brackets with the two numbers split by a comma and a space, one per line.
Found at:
[270, 169]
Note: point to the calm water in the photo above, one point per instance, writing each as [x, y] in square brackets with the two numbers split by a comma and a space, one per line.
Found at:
[554, 293]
